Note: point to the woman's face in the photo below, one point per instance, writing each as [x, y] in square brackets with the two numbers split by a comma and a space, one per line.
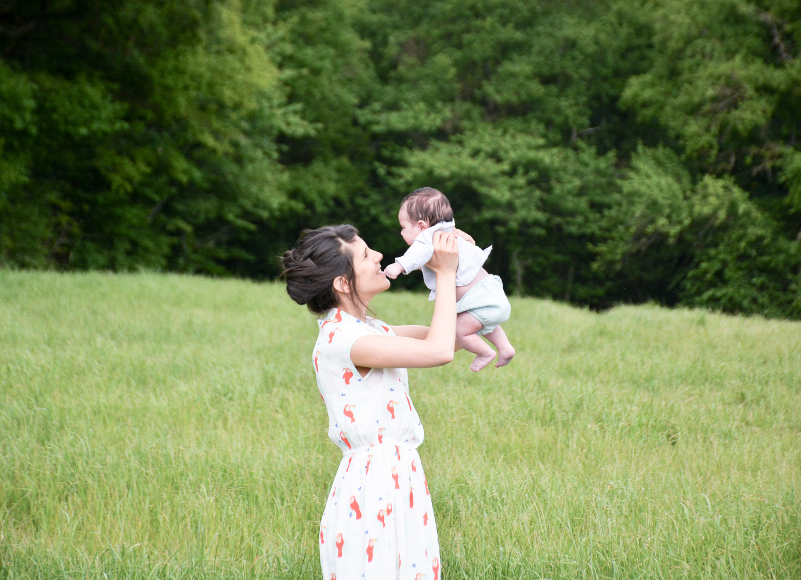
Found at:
[370, 279]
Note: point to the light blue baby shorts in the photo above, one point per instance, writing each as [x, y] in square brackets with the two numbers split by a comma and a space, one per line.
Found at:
[487, 302]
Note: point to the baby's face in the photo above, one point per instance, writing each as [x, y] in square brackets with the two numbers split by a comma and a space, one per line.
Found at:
[409, 229]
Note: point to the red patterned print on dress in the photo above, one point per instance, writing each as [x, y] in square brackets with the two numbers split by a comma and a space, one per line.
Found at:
[331, 336]
[385, 329]
[425, 519]
[425, 481]
[435, 568]
[368, 432]
[337, 318]
[347, 375]
[354, 505]
[369, 550]
[322, 539]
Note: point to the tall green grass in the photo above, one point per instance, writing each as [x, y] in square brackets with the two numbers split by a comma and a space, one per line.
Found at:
[157, 426]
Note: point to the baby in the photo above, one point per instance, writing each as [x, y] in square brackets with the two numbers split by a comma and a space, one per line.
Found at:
[481, 303]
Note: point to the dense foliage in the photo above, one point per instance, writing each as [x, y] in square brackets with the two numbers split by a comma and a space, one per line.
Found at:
[621, 150]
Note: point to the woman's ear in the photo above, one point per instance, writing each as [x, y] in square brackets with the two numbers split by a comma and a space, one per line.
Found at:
[341, 285]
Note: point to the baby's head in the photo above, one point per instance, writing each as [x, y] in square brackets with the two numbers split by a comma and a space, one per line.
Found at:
[422, 209]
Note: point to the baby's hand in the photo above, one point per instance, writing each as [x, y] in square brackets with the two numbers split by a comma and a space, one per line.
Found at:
[393, 270]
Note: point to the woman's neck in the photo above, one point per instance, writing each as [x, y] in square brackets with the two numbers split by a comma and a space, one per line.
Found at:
[357, 311]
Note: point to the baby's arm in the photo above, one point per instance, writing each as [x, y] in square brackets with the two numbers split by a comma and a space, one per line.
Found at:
[417, 256]
[393, 270]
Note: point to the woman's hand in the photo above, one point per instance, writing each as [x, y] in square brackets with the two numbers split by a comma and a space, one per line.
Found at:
[446, 253]
[465, 236]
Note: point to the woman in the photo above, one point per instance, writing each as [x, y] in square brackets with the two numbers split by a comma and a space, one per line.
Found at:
[378, 522]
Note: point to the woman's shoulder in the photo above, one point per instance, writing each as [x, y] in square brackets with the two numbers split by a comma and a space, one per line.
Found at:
[338, 321]
[380, 327]
[338, 332]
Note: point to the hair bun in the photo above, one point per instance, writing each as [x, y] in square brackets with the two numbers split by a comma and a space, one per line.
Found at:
[310, 268]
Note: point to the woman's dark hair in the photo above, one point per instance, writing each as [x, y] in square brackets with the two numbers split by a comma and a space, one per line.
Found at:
[428, 204]
[320, 257]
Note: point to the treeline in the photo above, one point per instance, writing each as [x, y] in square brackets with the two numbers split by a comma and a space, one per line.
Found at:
[610, 151]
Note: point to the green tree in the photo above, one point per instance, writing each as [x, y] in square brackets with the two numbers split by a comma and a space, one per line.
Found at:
[609, 151]
[510, 109]
[143, 133]
[725, 85]
[699, 242]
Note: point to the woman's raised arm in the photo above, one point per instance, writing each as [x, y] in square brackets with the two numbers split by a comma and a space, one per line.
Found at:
[419, 331]
[436, 349]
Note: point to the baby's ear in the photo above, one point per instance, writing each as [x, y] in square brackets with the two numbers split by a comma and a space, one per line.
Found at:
[422, 224]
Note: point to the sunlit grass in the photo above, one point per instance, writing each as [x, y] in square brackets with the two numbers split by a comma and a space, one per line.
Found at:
[157, 426]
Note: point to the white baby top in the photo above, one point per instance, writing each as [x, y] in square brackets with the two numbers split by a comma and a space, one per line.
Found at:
[471, 258]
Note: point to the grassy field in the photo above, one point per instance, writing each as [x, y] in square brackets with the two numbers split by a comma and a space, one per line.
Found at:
[156, 426]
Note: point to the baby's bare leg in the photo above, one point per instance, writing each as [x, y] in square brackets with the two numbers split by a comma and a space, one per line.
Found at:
[506, 351]
[466, 327]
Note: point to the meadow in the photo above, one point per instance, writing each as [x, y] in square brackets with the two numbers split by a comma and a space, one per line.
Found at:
[162, 426]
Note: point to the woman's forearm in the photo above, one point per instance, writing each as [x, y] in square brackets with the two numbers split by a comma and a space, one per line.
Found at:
[417, 331]
[442, 334]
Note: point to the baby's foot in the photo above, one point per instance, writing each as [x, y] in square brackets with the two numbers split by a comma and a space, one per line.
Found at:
[505, 355]
[482, 360]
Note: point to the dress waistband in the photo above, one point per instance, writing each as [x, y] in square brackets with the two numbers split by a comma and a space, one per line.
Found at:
[387, 444]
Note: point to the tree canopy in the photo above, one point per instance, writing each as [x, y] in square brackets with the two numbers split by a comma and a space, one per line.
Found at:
[610, 151]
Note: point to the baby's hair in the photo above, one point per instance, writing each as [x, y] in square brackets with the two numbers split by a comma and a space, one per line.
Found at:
[320, 257]
[428, 204]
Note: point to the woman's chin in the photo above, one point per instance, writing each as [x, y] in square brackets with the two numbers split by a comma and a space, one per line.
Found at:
[382, 284]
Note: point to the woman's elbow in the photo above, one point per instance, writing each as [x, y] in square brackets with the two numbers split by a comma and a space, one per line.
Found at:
[445, 357]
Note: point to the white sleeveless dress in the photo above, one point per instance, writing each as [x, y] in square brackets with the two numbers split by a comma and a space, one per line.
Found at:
[378, 523]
